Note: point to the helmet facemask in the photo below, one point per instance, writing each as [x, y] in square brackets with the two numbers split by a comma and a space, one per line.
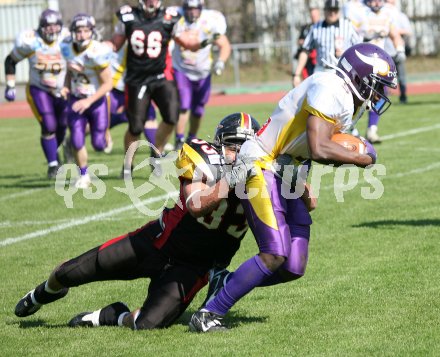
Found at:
[150, 10]
[79, 22]
[50, 25]
[232, 132]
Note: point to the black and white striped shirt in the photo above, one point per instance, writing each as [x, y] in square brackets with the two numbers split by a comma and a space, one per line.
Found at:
[327, 37]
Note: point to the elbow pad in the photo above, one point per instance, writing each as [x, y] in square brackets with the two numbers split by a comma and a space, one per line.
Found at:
[10, 65]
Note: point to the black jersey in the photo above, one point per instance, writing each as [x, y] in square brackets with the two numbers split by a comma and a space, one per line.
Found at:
[147, 40]
[205, 241]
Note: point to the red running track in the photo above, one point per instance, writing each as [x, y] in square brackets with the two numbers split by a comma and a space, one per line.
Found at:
[22, 110]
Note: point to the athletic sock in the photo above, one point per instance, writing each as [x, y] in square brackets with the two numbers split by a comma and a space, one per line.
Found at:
[180, 138]
[249, 275]
[43, 295]
[110, 315]
[373, 118]
[50, 147]
[83, 170]
[150, 135]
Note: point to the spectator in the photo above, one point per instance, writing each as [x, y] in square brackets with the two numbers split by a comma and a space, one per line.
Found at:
[192, 70]
[47, 70]
[311, 60]
[331, 37]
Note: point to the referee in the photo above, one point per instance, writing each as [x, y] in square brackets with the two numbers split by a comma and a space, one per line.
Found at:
[330, 37]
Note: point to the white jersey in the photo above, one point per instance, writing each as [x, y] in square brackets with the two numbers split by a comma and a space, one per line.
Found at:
[355, 11]
[47, 67]
[84, 67]
[376, 28]
[197, 65]
[324, 95]
[118, 65]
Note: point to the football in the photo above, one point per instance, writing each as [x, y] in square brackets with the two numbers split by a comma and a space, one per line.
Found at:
[350, 142]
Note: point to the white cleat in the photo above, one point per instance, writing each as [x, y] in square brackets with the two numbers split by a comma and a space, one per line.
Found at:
[83, 182]
[372, 135]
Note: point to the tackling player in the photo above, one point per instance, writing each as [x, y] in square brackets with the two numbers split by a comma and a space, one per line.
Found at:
[175, 251]
[88, 81]
[148, 29]
[301, 126]
[47, 70]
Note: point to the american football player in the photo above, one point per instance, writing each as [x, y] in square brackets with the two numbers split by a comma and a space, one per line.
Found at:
[47, 70]
[117, 98]
[202, 230]
[192, 69]
[301, 126]
[148, 29]
[88, 80]
[378, 27]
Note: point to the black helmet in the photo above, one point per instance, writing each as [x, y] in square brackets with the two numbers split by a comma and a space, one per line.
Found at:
[235, 128]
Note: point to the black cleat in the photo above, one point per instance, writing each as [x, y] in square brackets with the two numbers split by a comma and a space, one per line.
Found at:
[26, 306]
[218, 277]
[52, 172]
[205, 321]
[179, 144]
[81, 320]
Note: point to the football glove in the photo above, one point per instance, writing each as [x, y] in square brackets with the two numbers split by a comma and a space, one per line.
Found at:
[219, 67]
[242, 170]
[399, 57]
[371, 152]
[209, 41]
[10, 93]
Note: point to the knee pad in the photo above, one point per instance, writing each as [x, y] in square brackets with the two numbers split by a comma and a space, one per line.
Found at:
[99, 144]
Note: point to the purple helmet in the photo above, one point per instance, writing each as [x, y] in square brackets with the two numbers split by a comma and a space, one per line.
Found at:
[82, 20]
[377, 6]
[192, 4]
[368, 69]
[47, 18]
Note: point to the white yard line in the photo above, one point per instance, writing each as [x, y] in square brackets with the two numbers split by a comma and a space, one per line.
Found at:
[22, 193]
[410, 132]
[419, 170]
[81, 221]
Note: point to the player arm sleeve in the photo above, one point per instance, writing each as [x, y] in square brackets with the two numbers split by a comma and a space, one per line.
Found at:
[10, 64]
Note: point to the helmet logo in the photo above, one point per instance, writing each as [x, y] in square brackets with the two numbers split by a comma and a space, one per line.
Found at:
[379, 65]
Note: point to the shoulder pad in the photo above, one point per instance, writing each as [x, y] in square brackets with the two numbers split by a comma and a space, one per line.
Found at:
[26, 39]
[171, 15]
[200, 160]
[126, 13]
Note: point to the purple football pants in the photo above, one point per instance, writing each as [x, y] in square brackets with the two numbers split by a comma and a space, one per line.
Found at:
[193, 94]
[50, 111]
[291, 238]
[97, 116]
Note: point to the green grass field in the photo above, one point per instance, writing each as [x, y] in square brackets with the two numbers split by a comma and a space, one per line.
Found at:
[372, 282]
